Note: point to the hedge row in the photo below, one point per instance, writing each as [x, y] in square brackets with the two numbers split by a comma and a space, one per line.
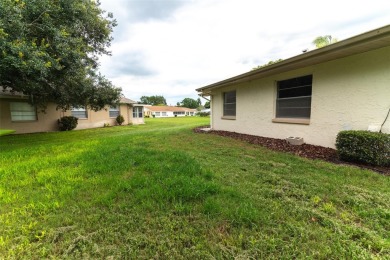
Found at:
[364, 146]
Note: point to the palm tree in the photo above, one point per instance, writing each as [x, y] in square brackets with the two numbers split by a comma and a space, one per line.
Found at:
[322, 41]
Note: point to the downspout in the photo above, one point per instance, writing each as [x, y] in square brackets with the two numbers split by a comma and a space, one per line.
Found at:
[380, 130]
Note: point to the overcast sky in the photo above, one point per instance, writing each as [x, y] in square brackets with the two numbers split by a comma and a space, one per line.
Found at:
[172, 47]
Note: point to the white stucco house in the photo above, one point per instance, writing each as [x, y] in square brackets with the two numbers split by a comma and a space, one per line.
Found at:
[168, 111]
[315, 95]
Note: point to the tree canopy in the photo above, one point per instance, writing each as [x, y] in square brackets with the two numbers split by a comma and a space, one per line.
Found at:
[267, 64]
[153, 100]
[190, 103]
[322, 41]
[49, 51]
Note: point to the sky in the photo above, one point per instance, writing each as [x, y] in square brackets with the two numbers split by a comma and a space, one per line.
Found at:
[172, 47]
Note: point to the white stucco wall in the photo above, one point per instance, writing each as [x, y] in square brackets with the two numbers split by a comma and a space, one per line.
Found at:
[348, 93]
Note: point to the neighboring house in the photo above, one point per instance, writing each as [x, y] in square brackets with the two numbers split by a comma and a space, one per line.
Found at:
[168, 111]
[315, 95]
[17, 114]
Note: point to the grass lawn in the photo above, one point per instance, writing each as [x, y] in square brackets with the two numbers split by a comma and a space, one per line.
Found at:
[161, 191]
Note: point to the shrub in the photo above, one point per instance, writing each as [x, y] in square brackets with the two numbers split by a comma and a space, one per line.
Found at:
[67, 123]
[364, 146]
[120, 119]
[203, 114]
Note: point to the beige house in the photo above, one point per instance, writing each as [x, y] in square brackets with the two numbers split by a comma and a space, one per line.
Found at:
[168, 111]
[314, 95]
[17, 114]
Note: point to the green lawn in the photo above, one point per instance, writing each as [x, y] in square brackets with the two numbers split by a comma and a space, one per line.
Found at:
[161, 191]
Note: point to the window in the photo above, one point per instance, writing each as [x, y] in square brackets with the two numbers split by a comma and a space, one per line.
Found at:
[157, 113]
[23, 111]
[294, 98]
[114, 111]
[229, 103]
[178, 113]
[137, 112]
[80, 112]
[164, 113]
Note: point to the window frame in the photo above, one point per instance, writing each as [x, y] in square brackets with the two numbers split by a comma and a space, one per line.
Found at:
[177, 113]
[294, 99]
[113, 111]
[137, 112]
[227, 102]
[22, 113]
[77, 110]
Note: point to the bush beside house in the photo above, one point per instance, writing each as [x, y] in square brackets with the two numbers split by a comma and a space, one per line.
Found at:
[364, 146]
[120, 119]
[67, 123]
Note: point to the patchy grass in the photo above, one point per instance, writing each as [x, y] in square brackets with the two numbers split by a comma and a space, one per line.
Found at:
[160, 191]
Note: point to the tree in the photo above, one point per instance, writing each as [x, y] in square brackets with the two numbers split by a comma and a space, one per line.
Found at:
[154, 100]
[49, 51]
[207, 104]
[322, 41]
[189, 102]
[267, 64]
[199, 102]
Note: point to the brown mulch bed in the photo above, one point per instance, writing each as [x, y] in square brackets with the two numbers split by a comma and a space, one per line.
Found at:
[305, 150]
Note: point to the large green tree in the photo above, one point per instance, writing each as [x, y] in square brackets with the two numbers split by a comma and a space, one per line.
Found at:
[153, 100]
[190, 103]
[49, 50]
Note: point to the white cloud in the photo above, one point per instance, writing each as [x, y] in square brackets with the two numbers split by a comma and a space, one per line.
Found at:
[188, 44]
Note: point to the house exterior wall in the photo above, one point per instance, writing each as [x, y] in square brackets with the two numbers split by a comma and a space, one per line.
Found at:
[159, 114]
[168, 114]
[47, 122]
[348, 93]
[101, 117]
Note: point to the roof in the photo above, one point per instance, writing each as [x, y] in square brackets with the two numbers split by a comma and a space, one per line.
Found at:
[168, 109]
[9, 93]
[124, 100]
[368, 41]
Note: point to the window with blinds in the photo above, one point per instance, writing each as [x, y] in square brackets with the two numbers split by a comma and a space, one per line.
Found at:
[229, 103]
[294, 97]
[23, 111]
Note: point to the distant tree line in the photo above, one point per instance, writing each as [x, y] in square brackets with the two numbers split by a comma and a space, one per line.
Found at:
[157, 100]
[153, 100]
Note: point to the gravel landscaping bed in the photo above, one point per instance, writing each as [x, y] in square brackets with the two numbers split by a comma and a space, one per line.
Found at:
[305, 150]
